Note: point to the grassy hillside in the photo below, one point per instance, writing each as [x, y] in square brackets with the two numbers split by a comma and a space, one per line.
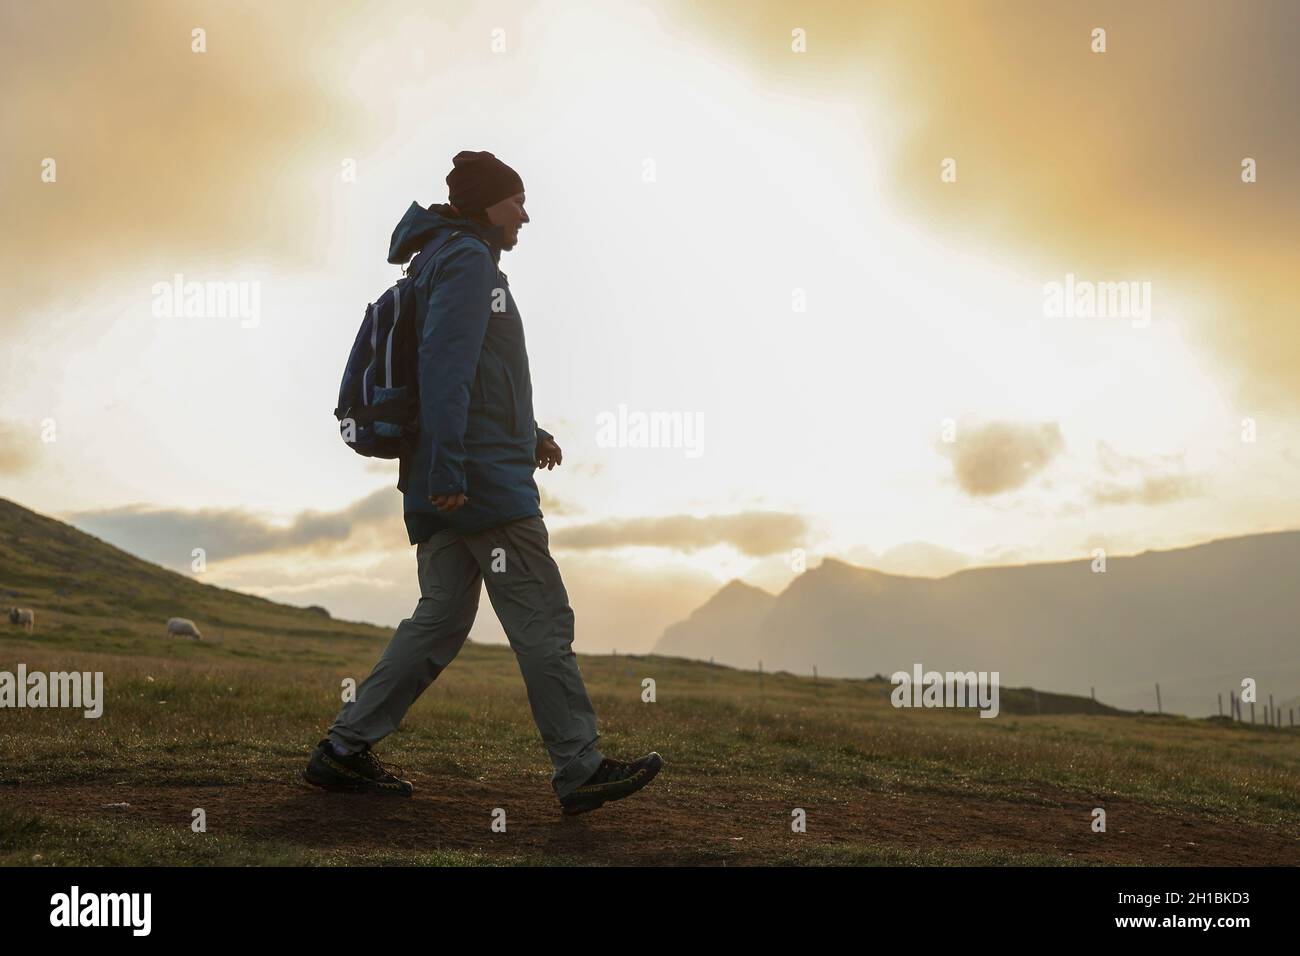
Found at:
[225, 726]
[104, 598]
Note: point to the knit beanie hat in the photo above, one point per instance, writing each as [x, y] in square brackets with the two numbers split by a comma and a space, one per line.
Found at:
[478, 180]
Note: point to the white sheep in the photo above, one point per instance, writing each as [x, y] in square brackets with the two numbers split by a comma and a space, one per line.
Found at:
[24, 616]
[183, 627]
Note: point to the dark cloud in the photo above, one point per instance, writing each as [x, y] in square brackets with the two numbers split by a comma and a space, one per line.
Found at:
[750, 532]
[169, 535]
[991, 458]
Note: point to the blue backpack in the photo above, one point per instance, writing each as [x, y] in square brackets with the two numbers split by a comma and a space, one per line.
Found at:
[379, 401]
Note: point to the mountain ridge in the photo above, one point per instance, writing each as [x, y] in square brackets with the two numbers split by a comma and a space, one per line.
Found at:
[1196, 619]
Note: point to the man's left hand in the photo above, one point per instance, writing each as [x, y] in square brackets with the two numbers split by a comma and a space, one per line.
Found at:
[548, 454]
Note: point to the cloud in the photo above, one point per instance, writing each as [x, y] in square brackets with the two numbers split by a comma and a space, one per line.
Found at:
[162, 153]
[17, 449]
[995, 457]
[1117, 165]
[753, 533]
[168, 535]
[1145, 481]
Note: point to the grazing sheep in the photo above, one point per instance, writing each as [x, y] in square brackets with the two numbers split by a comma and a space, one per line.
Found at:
[183, 627]
[24, 616]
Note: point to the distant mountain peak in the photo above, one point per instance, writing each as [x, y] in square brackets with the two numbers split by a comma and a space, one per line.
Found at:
[737, 593]
[736, 585]
[1183, 618]
[832, 565]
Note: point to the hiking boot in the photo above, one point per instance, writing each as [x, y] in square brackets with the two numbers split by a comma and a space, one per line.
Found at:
[360, 772]
[613, 780]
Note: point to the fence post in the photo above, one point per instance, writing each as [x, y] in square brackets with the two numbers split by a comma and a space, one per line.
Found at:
[1252, 713]
[1159, 710]
[1220, 703]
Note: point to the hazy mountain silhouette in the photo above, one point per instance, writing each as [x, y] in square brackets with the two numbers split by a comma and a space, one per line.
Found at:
[731, 616]
[1197, 620]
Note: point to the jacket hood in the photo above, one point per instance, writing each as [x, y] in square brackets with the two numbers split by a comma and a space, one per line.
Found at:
[419, 225]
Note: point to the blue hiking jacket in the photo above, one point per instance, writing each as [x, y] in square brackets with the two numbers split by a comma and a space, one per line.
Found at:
[477, 432]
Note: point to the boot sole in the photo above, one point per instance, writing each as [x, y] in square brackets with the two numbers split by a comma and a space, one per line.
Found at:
[334, 787]
[595, 803]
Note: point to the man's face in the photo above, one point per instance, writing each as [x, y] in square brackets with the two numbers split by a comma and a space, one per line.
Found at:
[509, 213]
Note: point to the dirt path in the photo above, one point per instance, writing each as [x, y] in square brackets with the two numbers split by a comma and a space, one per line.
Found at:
[675, 822]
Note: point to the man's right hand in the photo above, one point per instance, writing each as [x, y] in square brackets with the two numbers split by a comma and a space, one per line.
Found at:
[449, 503]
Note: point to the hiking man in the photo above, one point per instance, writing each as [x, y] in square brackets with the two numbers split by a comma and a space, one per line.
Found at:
[472, 507]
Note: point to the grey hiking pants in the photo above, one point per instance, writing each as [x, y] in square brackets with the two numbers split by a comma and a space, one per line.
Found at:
[528, 596]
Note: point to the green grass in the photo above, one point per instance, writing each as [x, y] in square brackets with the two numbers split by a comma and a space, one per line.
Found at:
[184, 715]
[243, 707]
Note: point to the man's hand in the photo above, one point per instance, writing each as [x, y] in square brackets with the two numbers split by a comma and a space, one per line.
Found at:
[548, 454]
[449, 503]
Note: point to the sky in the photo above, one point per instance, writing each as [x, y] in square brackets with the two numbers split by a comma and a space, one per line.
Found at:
[821, 235]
